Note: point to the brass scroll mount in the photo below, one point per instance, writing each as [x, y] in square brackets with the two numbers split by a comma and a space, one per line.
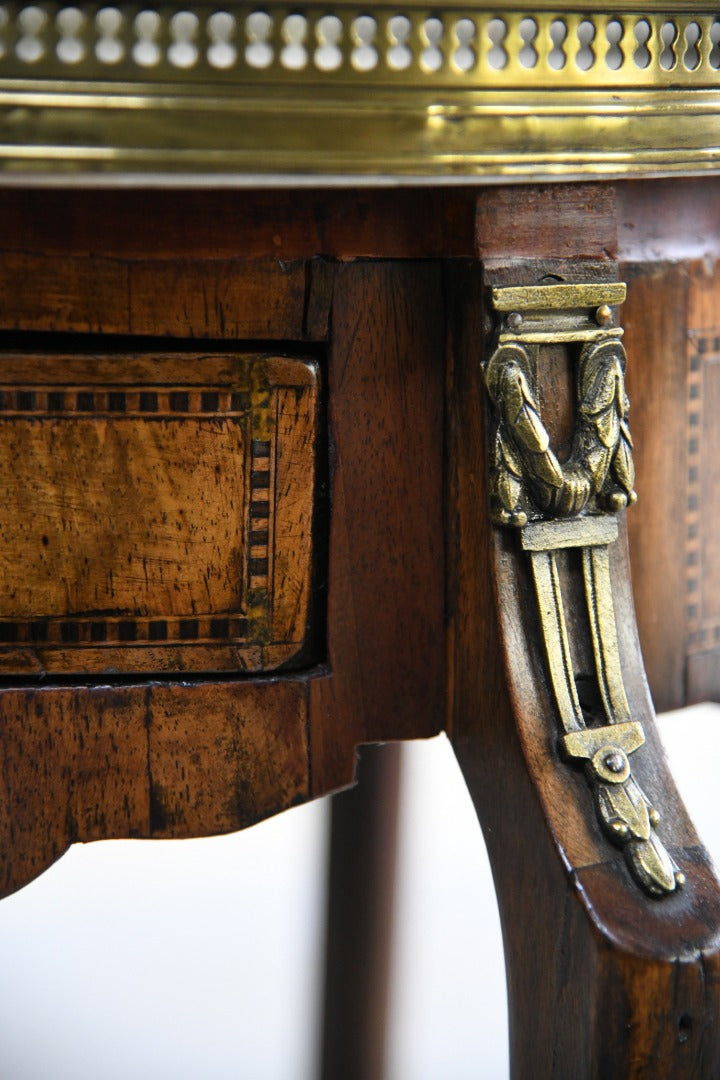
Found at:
[572, 504]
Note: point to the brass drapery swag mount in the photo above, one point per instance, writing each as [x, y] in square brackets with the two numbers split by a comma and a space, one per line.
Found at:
[573, 504]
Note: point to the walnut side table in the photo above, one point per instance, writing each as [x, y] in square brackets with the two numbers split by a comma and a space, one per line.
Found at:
[320, 331]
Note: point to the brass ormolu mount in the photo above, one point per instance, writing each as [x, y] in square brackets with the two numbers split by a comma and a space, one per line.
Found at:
[527, 478]
[556, 506]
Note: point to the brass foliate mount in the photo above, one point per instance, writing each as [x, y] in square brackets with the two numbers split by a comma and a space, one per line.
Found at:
[572, 504]
[527, 480]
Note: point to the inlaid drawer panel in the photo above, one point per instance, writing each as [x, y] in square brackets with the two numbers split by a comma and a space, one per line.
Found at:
[156, 511]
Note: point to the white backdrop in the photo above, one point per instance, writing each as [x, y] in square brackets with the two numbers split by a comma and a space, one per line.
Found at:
[200, 960]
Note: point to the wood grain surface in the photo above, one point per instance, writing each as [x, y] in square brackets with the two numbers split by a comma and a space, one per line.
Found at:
[281, 224]
[174, 760]
[386, 550]
[702, 488]
[548, 221]
[370, 605]
[95, 294]
[158, 511]
[654, 318]
[673, 340]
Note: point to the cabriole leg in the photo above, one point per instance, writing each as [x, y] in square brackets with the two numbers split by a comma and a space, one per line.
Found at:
[609, 905]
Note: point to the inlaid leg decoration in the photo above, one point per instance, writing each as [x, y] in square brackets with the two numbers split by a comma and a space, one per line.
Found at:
[571, 506]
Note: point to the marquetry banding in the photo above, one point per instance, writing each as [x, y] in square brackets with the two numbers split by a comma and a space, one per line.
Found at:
[147, 512]
[147, 401]
[260, 501]
[703, 627]
[106, 632]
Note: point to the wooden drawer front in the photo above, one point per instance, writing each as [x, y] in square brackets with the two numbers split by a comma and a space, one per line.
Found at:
[155, 511]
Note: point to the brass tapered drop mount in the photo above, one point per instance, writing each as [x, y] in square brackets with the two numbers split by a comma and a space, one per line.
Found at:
[563, 506]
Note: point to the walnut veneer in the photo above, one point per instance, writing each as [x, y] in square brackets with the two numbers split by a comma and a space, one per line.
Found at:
[245, 530]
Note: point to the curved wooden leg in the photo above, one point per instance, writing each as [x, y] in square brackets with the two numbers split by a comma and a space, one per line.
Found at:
[611, 915]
